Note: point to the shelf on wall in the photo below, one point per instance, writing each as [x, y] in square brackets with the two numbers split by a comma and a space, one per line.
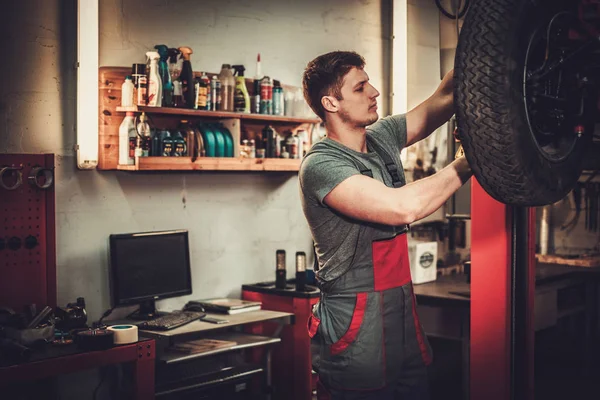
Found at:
[218, 114]
[213, 164]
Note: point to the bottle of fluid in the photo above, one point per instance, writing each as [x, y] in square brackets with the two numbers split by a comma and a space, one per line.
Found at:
[143, 129]
[177, 94]
[187, 78]
[278, 99]
[154, 81]
[266, 96]
[202, 89]
[165, 76]
[227, 84]
[127, 140]
[241, 99]
[127, 92]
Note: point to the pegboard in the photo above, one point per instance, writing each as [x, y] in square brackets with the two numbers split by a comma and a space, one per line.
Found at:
[27, 232]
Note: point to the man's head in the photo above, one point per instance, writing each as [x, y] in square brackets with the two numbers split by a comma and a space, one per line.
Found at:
[335, 84]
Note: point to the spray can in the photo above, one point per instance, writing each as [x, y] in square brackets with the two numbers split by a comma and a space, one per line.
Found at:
[138, 72]
[215, 90]
[266, 96]
[256, 95]
[300, 271]
[187, 78]
[205, 82]
[278, 101]
[280, 269]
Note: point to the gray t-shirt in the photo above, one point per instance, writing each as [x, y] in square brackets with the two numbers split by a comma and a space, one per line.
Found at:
[341, 242]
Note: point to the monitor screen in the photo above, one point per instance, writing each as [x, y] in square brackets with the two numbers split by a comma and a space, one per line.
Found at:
[149, 265]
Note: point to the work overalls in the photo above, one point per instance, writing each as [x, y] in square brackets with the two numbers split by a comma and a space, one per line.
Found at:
[367, 339]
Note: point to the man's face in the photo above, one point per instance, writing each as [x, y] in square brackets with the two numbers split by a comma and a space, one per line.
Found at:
[358, 105]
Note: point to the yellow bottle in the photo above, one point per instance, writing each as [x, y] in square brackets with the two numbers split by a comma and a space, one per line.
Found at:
[241, 98]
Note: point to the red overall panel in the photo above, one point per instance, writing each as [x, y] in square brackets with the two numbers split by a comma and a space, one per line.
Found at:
[27, 232]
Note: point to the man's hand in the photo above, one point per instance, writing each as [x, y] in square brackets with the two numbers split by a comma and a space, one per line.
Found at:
[433, 112]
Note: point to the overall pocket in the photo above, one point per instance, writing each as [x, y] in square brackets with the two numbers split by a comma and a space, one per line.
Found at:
[355, 361]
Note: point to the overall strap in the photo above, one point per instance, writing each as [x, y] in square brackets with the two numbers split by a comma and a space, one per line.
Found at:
[389, 162]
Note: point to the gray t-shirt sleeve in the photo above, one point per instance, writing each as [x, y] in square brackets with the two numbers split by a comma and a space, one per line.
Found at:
[391, 130]
[322, 172]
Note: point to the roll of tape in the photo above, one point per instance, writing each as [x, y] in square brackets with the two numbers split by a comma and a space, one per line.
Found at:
[124, 334]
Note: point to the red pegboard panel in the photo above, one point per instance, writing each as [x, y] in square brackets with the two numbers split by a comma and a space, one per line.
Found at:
[27, 233]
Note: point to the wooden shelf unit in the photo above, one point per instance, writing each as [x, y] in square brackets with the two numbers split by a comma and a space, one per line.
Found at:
[241, 125]
[212, 164]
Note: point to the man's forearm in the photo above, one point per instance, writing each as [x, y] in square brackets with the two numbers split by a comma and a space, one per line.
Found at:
[426, 195]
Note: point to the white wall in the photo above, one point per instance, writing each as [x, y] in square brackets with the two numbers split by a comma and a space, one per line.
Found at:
[236, 220]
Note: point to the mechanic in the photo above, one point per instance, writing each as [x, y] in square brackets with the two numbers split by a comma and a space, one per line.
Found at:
[368, 340]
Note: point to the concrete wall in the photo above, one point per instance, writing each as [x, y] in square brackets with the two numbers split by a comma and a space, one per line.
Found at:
[236, 221]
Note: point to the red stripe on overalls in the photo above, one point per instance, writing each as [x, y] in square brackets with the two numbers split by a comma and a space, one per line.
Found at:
[352, 332]
[420, 339]
[313, 325]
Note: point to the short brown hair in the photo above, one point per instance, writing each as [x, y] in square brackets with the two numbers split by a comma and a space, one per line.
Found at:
[324, 76]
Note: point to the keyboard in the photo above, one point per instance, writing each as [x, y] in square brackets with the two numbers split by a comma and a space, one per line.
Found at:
[171, 321]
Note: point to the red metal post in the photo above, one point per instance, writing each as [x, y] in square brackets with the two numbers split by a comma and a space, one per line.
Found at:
[492, 356]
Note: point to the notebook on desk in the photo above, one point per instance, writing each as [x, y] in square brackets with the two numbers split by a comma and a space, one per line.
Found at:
[201, 346]
[226, 305]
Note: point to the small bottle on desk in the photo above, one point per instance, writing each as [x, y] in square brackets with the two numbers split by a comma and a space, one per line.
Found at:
[280, 282]
[300, 271]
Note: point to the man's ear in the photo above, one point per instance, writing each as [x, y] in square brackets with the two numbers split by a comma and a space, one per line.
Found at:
[330, 104]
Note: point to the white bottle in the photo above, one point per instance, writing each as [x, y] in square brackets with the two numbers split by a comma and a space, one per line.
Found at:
[127, 140]
[127, 92]
[154, 82]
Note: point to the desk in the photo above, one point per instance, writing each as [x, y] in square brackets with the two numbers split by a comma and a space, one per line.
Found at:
[446, 314]
[64, 360]
[169, 363]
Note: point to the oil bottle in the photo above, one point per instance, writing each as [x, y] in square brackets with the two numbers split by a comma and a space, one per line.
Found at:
[127, 139]
[202, 88]
[145, 134]
[241, 99]
[187, 78]
[227, 85]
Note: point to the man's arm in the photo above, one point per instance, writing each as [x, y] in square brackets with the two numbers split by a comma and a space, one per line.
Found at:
[432, 113]
[368, 199]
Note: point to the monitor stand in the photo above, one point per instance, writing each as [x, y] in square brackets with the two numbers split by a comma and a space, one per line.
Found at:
[147, 311]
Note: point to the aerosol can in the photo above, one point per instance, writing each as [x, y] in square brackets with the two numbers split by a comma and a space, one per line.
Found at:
[154, 81]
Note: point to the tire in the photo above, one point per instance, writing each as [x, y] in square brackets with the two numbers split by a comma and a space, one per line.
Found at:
[492, 114]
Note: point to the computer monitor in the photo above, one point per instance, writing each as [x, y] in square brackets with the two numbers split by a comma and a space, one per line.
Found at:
[149, 266]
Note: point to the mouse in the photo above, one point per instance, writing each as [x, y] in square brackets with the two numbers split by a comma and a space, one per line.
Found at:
[193, 307]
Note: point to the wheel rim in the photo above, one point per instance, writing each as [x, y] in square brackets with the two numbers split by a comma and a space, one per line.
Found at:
[554, 97]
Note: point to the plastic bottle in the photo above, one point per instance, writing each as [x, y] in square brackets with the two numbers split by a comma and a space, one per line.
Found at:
[187, 78]
[227, 84]
[145, 134]
[127, 92]
[241, 99]
[167, 144]
[154, 81]
[127, 140]
[165, 76]
[252, 148]
[179, 145]
[137, 72]
[178, 94]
